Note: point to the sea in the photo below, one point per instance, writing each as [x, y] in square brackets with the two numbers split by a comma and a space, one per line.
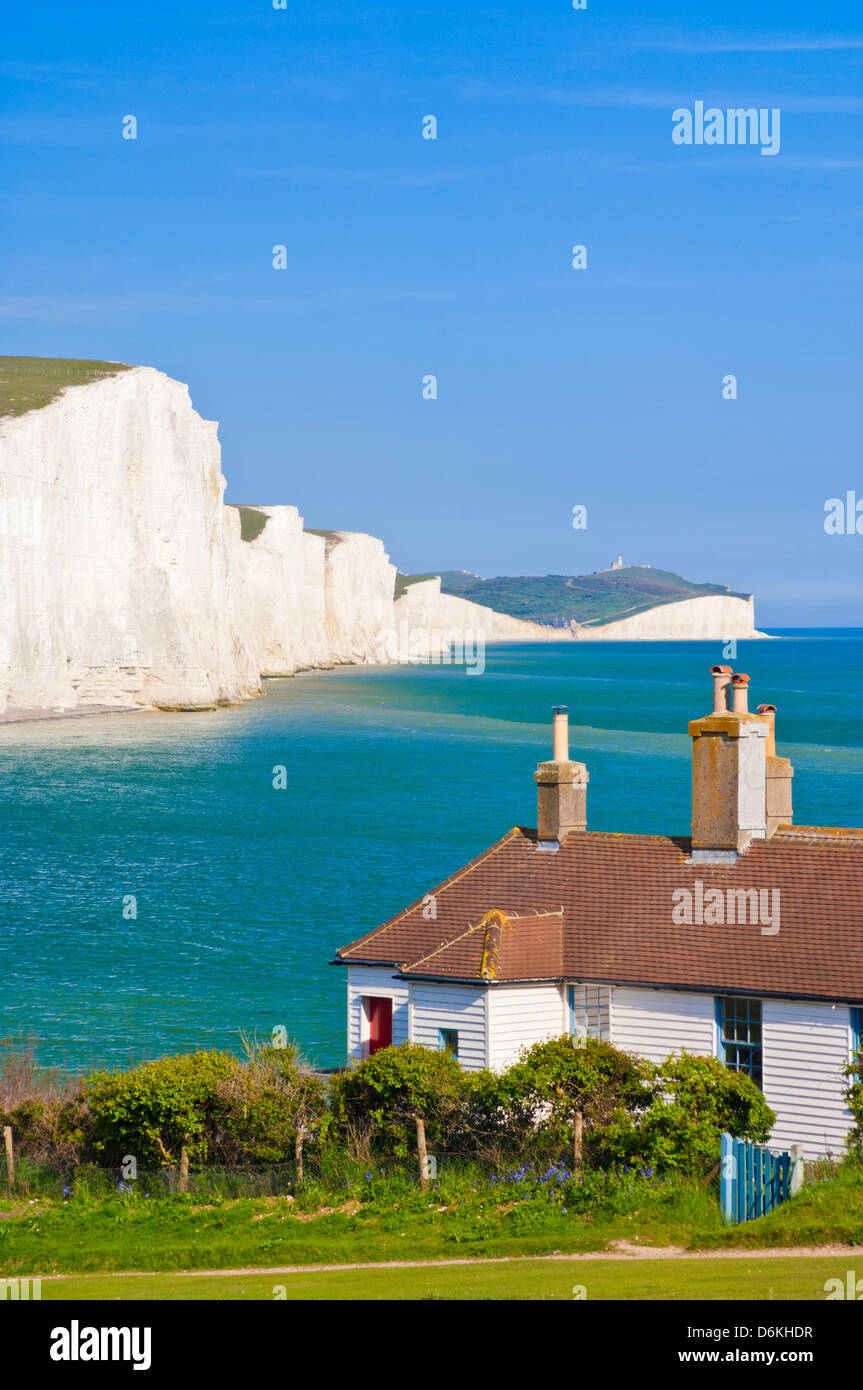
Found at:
[179, 881]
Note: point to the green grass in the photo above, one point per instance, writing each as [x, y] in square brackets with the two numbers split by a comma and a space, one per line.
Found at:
[29, 383]
[252, 521]
[349, 1213]
[171, 1233]
[331, 537]
[595, 598]
[828, 1211]
[559, 1280]
[404, 581]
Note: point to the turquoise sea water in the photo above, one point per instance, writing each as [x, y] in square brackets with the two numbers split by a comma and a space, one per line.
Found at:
[395, 777]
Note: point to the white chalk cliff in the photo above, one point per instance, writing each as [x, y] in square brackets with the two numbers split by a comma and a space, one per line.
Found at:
[447, 619]
[116, 584]
[124, 579]
[711, 618]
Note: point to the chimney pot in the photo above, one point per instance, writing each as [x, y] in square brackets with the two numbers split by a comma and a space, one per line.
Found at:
[560, 734]
[768, 712]
[721, 688]
[740, 693]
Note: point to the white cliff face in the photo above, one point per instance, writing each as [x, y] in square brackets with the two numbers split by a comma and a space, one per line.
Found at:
[446, 619]
[308, 599]
[713, 618]
[123, 576]
[279, 592]
[360, 584]
[115, 580]
[124, 579]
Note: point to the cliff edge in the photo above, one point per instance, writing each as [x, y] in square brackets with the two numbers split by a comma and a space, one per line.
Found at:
[116, 586]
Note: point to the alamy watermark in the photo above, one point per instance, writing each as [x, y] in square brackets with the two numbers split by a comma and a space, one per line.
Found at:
[77, 1343]
[718, 907]
[844, 515]
[851, 1287]
[733, 126]
[431, 646]
[20, 1290]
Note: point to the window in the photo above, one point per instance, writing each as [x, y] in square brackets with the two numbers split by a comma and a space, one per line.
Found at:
[739, 1025]
[856, 1031]
[588, 1011]
[448, 1040]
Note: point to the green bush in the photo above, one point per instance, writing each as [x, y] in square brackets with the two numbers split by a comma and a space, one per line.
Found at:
[220, 1108]
[262, 1103]
[535, 1100]
[696, 1100]
[50, 1130]
[395, 1085]
[667, 1119]
[153, 1111]
[854, 1097]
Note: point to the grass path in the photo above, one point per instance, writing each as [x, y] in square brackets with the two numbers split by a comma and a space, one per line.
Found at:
[726, 1275]
[622, 1250]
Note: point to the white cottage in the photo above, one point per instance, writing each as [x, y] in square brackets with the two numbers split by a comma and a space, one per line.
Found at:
[744, 941]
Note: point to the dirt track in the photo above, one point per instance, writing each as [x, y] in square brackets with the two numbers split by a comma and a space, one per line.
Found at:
[618, 1250]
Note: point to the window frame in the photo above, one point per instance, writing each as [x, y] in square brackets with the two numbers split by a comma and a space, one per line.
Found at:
[589, 1004]
[442, 1034]
[754, 1069]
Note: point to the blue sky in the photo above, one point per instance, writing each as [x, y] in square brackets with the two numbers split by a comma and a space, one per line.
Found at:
[405, 256]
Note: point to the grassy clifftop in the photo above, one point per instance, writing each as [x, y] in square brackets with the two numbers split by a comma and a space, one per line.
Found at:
[29, 383]
[252, 520]
[559, 599]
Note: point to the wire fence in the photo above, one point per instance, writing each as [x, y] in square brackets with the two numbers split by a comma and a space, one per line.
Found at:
[328, 1175]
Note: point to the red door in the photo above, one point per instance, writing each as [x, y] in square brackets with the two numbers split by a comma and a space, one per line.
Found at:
[380, 1023]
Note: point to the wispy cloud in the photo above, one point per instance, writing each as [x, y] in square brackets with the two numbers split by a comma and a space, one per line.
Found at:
[377, 178]
[752, 43]
[568, 96]
[646, 99]
[74, 309]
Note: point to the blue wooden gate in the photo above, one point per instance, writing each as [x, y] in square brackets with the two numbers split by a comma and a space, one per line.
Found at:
[752, 1180]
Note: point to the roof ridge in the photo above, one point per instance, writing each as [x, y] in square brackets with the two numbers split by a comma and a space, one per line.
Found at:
[444, 945]
[535, 912]
[836, 834]
[575, 836]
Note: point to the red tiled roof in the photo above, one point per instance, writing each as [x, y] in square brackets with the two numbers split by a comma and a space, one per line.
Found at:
[502, 946]
[600, 909]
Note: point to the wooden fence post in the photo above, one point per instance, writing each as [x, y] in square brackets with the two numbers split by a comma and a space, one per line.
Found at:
[10, 1158]
[726, 1179]
[183, 1184]
[798, 1168]
[577, 1140]
[422, 1151]
[298, 1151]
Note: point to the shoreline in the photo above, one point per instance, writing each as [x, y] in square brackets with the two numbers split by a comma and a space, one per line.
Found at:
[32, 716]
[41, 715]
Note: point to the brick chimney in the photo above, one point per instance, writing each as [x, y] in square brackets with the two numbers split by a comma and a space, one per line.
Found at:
[561, 787]
[729, 774]
[779, 774]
